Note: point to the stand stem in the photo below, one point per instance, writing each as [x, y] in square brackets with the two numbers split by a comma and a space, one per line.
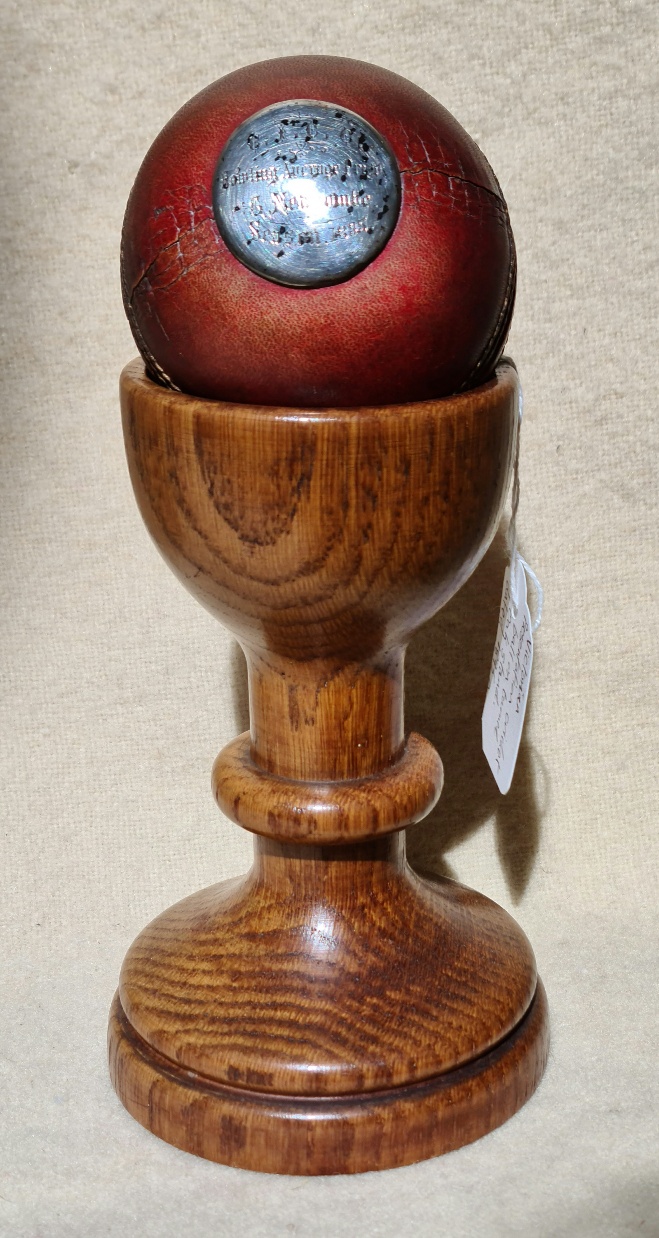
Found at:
[325, 720]
[334, 875]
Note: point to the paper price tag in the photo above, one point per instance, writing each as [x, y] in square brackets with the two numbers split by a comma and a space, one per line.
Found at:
[507, 694]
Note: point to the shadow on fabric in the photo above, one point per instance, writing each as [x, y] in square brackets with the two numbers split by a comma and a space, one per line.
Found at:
[447, 672]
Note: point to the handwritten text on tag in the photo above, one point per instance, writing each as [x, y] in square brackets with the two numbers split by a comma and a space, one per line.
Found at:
[507, 694]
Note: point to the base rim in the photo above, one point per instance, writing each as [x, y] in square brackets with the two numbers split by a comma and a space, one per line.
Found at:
[351, 1133]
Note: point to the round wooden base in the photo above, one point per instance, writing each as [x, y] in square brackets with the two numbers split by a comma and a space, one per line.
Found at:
[332, 1011]
[330, 1134]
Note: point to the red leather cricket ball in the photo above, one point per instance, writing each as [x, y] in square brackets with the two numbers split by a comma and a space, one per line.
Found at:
[424, 312]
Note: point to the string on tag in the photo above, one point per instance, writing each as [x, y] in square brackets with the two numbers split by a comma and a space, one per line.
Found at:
[515, 556]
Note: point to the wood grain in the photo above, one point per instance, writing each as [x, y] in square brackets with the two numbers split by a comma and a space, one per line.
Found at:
[330, 812]
[334, 1134]
[323, 971]
[331, 1011]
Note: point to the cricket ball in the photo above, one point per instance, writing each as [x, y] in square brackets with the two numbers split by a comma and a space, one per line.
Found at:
[316, 231]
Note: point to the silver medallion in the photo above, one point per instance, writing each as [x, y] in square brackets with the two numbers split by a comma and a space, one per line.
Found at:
[306, 193]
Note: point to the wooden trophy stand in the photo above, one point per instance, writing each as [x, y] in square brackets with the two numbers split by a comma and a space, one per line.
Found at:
[332, 1011]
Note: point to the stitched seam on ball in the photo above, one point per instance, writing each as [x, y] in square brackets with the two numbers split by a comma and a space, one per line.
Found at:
[503, 318]
[452, 176]
[502, 323]
[494, 341]
[154, 369]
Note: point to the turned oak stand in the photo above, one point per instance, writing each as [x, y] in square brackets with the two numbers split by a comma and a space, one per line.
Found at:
[332, 1011]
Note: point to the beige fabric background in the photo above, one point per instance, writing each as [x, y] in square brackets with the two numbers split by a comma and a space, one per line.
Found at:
[118, 690]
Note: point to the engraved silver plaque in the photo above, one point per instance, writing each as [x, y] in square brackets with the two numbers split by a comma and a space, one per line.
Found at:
[306, 193]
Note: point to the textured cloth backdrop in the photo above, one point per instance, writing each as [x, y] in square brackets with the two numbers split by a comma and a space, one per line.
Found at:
[118, 690]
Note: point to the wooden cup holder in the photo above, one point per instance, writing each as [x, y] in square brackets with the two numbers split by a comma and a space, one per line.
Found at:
[331, 1011]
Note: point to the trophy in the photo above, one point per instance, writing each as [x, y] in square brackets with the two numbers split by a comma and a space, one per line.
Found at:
[319, 272]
